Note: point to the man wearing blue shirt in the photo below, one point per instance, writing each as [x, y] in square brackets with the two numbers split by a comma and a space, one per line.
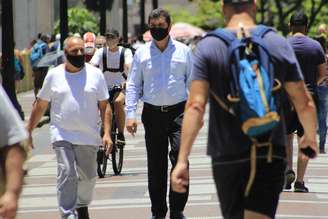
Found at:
[159, 77]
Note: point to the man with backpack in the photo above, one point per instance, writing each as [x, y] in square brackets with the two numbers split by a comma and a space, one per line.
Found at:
[39, 49]
[115, 62]
[241, 69]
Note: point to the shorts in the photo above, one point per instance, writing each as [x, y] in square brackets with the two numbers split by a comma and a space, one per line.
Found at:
[293, 124]
[231, 180]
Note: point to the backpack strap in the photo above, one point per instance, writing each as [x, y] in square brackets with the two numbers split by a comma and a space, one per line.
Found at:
[223, 34]
[104, 59]
[261, 30]
[122, 58]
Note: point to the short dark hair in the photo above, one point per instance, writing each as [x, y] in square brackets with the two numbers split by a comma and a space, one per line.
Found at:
[160, 12]
[112, 33]
[299, 18]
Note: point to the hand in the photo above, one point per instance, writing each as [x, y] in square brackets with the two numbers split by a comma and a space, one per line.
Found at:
[311, 143]
[131, 126]
[180, 177]
[8, 205]
[108, 144]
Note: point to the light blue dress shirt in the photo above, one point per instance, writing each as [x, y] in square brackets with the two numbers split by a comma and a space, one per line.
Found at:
[158, 78]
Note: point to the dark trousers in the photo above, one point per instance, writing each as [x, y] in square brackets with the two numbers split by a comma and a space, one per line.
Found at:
[162, 128]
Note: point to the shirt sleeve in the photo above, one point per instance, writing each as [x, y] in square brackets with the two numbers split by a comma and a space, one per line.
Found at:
[200, 69]
[133, 88]
[96, 59]
[12, 129]
[189, 68]
[321, 55]
[102, 93]
[128, 56]
[46, 91]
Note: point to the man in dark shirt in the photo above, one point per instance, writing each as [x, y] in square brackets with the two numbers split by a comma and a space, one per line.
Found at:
[227, 145]
[311, 58]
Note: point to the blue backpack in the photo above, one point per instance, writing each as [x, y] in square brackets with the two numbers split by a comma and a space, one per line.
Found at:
[252, 97]
[37, 52]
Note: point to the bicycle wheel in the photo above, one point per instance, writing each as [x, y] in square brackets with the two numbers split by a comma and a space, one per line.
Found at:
[117, 152]
[101, 162]
[117, 159]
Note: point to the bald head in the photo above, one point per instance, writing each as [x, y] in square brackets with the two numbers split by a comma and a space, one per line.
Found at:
[72, 41]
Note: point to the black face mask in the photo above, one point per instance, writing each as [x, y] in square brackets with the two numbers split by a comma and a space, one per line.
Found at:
[159, 33]
[76, 61]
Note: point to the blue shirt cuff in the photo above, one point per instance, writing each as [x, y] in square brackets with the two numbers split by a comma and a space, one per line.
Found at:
[131, 115]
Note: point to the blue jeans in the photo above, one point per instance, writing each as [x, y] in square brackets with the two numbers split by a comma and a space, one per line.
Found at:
[323, 111]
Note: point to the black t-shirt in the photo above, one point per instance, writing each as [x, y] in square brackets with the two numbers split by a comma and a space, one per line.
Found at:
[226, 139]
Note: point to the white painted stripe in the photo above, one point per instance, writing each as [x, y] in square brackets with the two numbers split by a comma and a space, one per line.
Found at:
[41, 158]
[51, 202]
[126, 207]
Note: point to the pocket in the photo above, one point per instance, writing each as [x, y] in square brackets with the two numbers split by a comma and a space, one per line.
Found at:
[178, 69]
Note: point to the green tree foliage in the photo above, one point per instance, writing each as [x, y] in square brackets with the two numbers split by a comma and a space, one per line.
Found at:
[80, 20]
[271, 12]
[207, 17]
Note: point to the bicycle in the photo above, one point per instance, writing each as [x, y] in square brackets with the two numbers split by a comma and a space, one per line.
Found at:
[117, 151]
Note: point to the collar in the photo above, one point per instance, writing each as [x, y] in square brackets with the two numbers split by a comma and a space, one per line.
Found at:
[169, 44]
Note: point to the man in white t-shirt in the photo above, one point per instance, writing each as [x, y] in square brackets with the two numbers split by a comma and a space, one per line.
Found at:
[117, 64]
[12, 132]
[77, 92]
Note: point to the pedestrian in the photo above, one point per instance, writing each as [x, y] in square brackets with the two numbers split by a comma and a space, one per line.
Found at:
[159, 77]
[39, 49]
[100, 41]
[77, 91]
[19, 69]
[115, 62]
[311, 58]
[323, 92]
[230, 145]
[12, 134]
[89, 39]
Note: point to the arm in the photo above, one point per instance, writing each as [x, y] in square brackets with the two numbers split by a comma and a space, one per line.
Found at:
[128, 58]
[14, 158]
[133, 90]
[322, 74]
[106, 114]
[306, 112]
[39, 108]
[192, 123]
[106, 117]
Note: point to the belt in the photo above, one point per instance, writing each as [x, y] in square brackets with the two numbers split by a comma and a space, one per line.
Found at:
[165, 108]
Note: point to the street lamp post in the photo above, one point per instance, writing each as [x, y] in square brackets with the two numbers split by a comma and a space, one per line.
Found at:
[103, 7]
[8, 54]
[155, 4]
[125, 21]
[142, 16]
[63, 22]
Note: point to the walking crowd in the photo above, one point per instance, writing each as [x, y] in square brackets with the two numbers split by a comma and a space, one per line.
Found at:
[262, 89]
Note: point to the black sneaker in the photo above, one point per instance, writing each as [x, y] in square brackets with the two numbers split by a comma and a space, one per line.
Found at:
[290, 177]
[120, 139]
[322, 151]
[82, 213]
[300, 187]
[178, 215]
